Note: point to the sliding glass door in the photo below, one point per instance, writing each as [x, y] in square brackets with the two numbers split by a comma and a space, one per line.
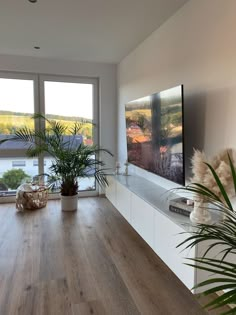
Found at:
[66, 99]
[17, 104]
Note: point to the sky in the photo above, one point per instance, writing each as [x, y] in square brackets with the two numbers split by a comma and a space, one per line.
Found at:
[61, 98]
[171, 93]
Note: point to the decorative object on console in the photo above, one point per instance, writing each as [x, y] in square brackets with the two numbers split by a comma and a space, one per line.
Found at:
[220, 235]
[200, 213]
[181, 205]
[117, 172]
[126, 164]
[203, 176]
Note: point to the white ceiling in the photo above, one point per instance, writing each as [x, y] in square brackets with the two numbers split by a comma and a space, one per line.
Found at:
[86, 30]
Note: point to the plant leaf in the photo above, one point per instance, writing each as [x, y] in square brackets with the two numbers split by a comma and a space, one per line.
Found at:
[232, 172]
[221, 187]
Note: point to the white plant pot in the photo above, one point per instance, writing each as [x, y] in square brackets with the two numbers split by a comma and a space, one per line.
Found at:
[69, 203]
[200, 213]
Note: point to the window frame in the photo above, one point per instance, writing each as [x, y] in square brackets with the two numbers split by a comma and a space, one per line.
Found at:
[39, 107]
[21, 76]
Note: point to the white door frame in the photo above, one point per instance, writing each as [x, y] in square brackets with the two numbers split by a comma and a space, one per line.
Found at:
[39, 106]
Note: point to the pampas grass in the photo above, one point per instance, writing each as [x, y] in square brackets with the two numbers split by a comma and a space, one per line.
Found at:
[199, 168]
[215, 184]
[202, 174]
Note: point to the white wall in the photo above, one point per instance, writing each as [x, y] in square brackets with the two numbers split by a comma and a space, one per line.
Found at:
[107, 86]
[195, 47]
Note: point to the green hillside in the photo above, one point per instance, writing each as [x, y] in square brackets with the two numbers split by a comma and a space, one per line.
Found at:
[11, 121]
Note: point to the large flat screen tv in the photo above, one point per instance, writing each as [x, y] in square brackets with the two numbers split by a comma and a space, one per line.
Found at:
[154, 130]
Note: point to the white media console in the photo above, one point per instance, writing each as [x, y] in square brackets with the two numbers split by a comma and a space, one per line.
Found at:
[145, 206]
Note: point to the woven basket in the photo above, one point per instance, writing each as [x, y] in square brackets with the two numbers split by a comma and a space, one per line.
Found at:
[32, 200]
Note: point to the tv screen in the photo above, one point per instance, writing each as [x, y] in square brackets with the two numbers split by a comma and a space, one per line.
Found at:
[154, 129]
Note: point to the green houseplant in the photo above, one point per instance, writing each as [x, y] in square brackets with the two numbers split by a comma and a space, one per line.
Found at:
[223, 234]
[71, 159]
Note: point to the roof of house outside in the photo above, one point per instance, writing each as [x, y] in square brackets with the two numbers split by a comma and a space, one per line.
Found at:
[19, 145]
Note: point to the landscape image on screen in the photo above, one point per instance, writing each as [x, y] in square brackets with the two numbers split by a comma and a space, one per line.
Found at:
[154, 129]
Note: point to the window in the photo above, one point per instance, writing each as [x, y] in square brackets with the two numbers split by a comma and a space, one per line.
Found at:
[17, 104]
[18, 163]
[62, 98]
[69, 102]
[36, 163]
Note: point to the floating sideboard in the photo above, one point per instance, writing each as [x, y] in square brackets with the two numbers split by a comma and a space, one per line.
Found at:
[145, 206]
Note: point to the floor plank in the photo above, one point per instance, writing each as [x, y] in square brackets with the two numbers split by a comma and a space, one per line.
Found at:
[88, 308]
[87, 262]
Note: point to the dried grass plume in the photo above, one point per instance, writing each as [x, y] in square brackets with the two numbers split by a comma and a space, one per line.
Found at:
[203, 175]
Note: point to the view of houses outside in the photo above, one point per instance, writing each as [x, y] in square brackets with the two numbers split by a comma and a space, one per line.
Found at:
[11, 178]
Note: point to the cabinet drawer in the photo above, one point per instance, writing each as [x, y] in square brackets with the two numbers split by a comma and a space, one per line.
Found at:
[111, 190]
[142, 219]
[123, 198]
[167, 237]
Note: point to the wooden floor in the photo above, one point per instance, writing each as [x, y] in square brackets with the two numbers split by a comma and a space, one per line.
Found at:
[88, 262]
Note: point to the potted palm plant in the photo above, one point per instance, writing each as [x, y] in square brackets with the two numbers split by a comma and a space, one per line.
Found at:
[71, 158]
[221, 233]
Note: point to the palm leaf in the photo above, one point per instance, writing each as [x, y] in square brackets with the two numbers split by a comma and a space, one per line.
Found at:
[221, 187]
[224, 299]
[232, 311]
[233, 172]
[221, 234]
[70, 159]
[40, 116]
